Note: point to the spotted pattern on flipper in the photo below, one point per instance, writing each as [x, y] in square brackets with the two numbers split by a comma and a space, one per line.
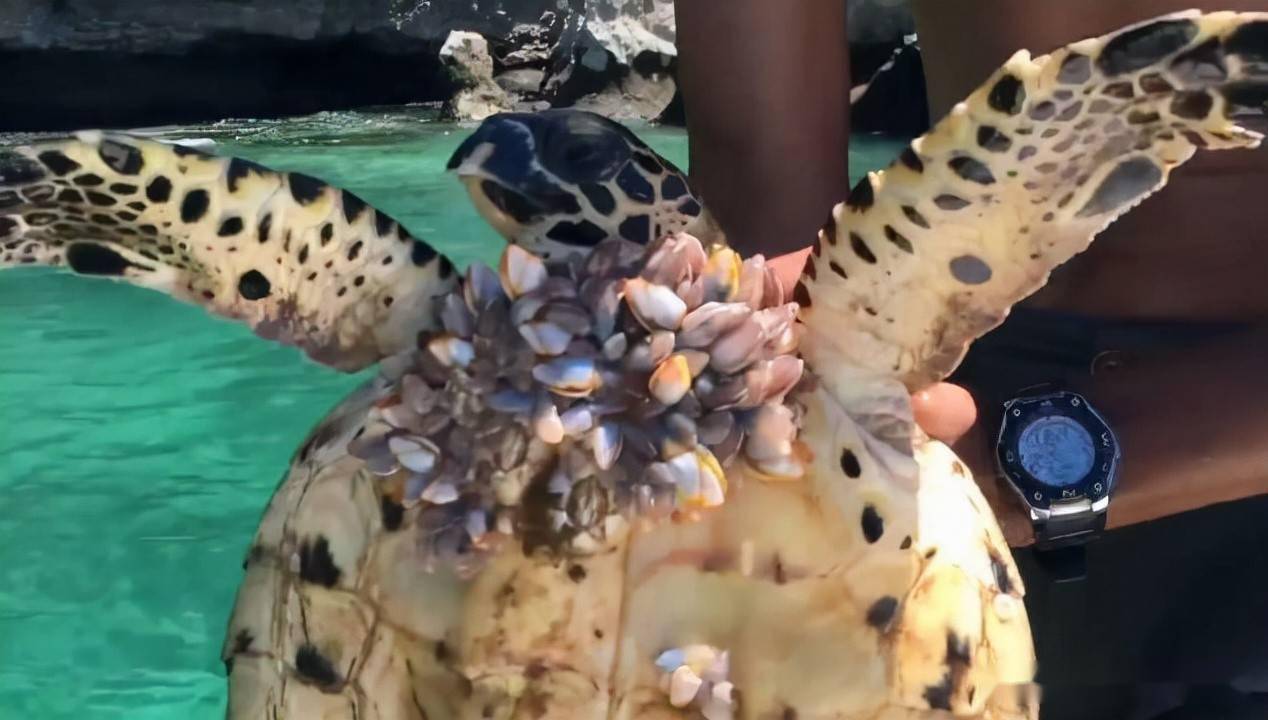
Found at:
[178, 222]
[1106, 120]
[559, 181]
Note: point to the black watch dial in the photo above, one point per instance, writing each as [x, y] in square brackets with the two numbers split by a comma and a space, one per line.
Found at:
[1056, 448]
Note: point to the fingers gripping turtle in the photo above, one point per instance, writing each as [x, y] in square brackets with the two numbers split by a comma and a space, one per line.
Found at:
[930, 253]
[560, 181]
[297, 260]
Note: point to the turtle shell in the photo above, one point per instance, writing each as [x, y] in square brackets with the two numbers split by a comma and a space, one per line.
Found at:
[585, 497]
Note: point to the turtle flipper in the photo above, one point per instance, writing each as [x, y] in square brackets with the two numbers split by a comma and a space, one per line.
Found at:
[930, 253]
[297, 260]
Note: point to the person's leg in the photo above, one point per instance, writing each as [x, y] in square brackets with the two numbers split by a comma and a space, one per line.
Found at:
[766, 90]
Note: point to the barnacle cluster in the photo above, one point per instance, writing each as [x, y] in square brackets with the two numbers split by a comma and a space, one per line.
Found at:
[564, 398]
[697, 676]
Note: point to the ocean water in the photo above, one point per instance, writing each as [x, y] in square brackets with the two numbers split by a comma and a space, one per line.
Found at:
[140, 438]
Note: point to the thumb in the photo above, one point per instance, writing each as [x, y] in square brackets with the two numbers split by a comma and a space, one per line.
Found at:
[944, 411]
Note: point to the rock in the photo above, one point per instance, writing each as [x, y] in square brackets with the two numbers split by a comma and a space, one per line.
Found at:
[532, 43]
[523, 81]
[628, 29]
[634, 97]
[120, 63]
[466, 55]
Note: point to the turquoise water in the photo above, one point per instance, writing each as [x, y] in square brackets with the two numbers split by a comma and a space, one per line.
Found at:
[140, 438]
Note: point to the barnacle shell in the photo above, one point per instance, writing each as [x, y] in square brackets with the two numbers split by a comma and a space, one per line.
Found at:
[564, 398]
[696, 675]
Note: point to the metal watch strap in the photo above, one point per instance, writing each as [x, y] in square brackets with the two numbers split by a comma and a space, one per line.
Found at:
[1065, 529]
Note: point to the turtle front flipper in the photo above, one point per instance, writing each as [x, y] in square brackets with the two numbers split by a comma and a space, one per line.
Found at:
[930, 253]
[299, 261]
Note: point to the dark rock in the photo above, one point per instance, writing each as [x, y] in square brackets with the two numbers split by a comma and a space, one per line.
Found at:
[125, 63]
[523, 81]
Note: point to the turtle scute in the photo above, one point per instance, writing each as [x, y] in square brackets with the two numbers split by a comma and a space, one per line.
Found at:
[563, 400]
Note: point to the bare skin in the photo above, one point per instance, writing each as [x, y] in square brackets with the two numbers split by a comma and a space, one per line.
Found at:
[746, 73]
[1192, 423]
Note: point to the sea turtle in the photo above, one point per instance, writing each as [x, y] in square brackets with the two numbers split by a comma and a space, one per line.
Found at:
[661, 565]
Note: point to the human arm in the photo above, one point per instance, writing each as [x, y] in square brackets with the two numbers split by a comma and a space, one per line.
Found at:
[766, 90]
[1191, 425]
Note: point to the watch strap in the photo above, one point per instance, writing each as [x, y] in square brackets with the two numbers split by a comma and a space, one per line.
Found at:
[1064, 530]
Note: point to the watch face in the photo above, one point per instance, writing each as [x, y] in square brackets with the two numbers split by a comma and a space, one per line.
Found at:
[1056, 450]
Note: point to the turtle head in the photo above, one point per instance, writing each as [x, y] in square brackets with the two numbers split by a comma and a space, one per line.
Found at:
[560, 181]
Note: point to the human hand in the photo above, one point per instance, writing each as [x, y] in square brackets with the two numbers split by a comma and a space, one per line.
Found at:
[944, 411]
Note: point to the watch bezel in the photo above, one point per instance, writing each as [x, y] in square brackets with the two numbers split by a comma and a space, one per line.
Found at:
[1020, 412]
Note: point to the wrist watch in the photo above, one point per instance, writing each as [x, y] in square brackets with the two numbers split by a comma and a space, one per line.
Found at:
[1058, 453]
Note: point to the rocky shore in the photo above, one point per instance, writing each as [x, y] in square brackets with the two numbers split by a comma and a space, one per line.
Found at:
[118, 63]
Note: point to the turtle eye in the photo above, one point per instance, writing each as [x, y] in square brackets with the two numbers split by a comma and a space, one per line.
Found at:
[582, 155]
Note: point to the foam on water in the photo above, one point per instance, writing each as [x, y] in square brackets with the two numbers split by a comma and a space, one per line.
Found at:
[140, 438]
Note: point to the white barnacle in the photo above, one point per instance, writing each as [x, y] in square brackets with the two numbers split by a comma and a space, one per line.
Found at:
[709, 321]
[521, 272]
[439, 493]
[416, 454]
[456, 316]
[684, 684]
[614, 347]
[482, 287]
[568, 376]
[607, 442]
[698, 675]
[671, 380]
[655, 306]
[721, 276]
[737, 349]
[577, 420]
[546, 422]
[770, 432]
[545, 338]
[451, 351]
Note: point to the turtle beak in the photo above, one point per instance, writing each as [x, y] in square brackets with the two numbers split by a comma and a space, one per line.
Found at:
[500, 167]
[508, 212]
